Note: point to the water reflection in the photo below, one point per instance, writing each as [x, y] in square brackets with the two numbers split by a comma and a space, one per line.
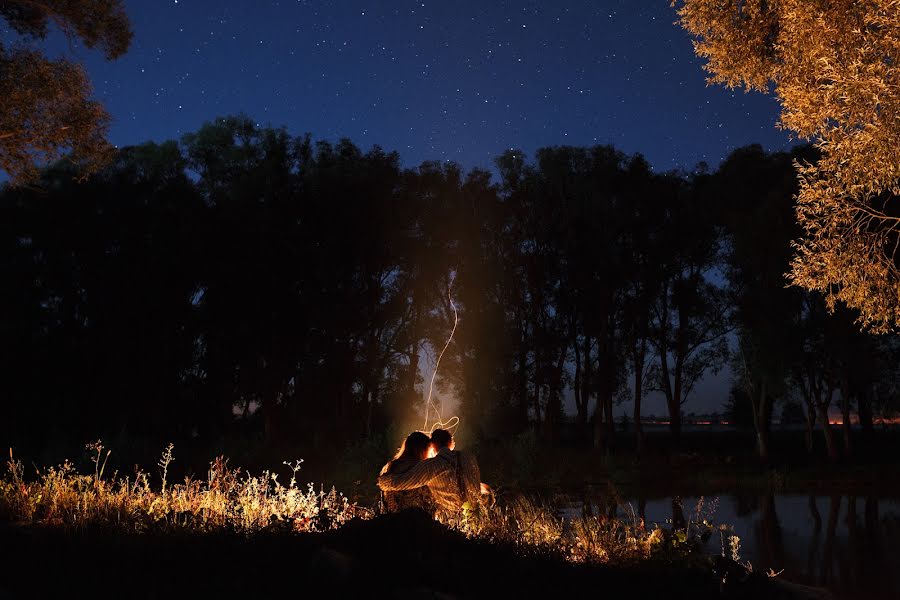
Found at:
[768, 532]
[842, 543]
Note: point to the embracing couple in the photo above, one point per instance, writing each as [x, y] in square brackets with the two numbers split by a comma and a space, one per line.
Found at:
[430, 474]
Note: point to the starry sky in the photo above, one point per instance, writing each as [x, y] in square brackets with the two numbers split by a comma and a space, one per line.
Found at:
[460, 81]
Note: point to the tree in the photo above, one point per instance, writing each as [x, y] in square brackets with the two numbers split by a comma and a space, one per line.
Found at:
[45, 109]
[644, 233]
[792, 413]
[835, 67]
[690, 312]
[814, 372]
[756, 192]
[97, 335]
[738, 410]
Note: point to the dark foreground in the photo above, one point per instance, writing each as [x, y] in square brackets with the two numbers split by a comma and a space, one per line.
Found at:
[393, 556]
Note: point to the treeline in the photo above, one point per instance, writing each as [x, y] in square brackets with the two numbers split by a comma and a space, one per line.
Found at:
[248, 280]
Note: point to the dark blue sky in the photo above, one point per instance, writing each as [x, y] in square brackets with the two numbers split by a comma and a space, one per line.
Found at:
[455, 80]
[459, 81]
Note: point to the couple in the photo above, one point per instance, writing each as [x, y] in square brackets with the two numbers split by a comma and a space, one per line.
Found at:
[429, 474]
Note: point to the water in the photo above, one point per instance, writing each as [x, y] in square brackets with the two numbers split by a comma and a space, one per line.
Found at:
[846, 544]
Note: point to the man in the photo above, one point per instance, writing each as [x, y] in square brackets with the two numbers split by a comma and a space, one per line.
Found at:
[453, 477]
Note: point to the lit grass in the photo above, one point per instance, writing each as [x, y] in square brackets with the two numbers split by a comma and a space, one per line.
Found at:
[536, 528]
[231, 501]
[227, 500]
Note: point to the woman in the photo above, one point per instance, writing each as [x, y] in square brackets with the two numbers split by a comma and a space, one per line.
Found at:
[412, 451]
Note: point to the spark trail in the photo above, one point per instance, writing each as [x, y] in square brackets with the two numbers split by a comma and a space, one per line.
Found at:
[452, 422]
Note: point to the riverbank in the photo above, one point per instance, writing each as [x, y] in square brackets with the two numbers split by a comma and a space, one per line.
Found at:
[234, 534]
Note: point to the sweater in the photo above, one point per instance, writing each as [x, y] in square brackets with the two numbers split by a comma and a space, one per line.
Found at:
[452, 477]
[395, 501]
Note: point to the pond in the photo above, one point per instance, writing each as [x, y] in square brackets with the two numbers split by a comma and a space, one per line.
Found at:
[846, 544]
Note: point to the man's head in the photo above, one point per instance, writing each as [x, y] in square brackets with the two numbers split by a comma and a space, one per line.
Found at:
[441, 438]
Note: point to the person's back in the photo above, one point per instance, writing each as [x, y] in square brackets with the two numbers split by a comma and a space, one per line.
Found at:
[469, 478]
[413, 450]
[445, 486]
[453, 477]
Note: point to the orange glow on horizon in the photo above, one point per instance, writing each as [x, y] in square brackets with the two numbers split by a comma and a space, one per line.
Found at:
[854, 420]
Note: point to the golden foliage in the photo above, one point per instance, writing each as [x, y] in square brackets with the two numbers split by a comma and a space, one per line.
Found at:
[46, 111]
[835, 67]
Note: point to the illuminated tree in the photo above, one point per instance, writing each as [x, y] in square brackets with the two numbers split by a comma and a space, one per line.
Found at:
[835, 67]
[45, 109]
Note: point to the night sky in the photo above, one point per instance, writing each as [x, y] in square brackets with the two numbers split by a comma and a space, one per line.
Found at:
[457, 81]
[460, 81]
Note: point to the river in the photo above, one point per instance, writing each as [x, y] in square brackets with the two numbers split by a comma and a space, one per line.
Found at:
[846, 544]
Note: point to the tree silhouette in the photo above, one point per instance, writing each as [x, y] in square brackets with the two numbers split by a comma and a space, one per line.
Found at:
[691, 310]
[757, 200]
[253, 288]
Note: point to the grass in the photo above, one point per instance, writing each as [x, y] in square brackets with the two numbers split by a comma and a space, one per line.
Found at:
[227, 500]
[231, 501]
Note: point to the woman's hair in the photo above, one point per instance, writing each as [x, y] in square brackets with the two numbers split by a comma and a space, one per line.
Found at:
[414, 447]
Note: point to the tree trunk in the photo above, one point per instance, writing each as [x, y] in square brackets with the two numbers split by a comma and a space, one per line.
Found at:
[873, 527]
[580, 406]
[638, 395]
[412, 357]
[762, 419]
[370, 410]
[678, 391]
[814, 540]
[845, 417]
[536, 403]
[554, 405]
[371, 382]
[603, 422]
[675, 422]
[810, 425]
[814, 512]
[828, 552]
[810, 413]
[672, 404]
[599, 430]
[830, 443]
[771, 539]
[522, 400]
[600, 406]
[586, 382]
[538, 339]
[606, 398]
[610, 422]
[864, 409]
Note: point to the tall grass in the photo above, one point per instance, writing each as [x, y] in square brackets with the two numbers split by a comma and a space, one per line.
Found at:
[228, 500]
[534, 527]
